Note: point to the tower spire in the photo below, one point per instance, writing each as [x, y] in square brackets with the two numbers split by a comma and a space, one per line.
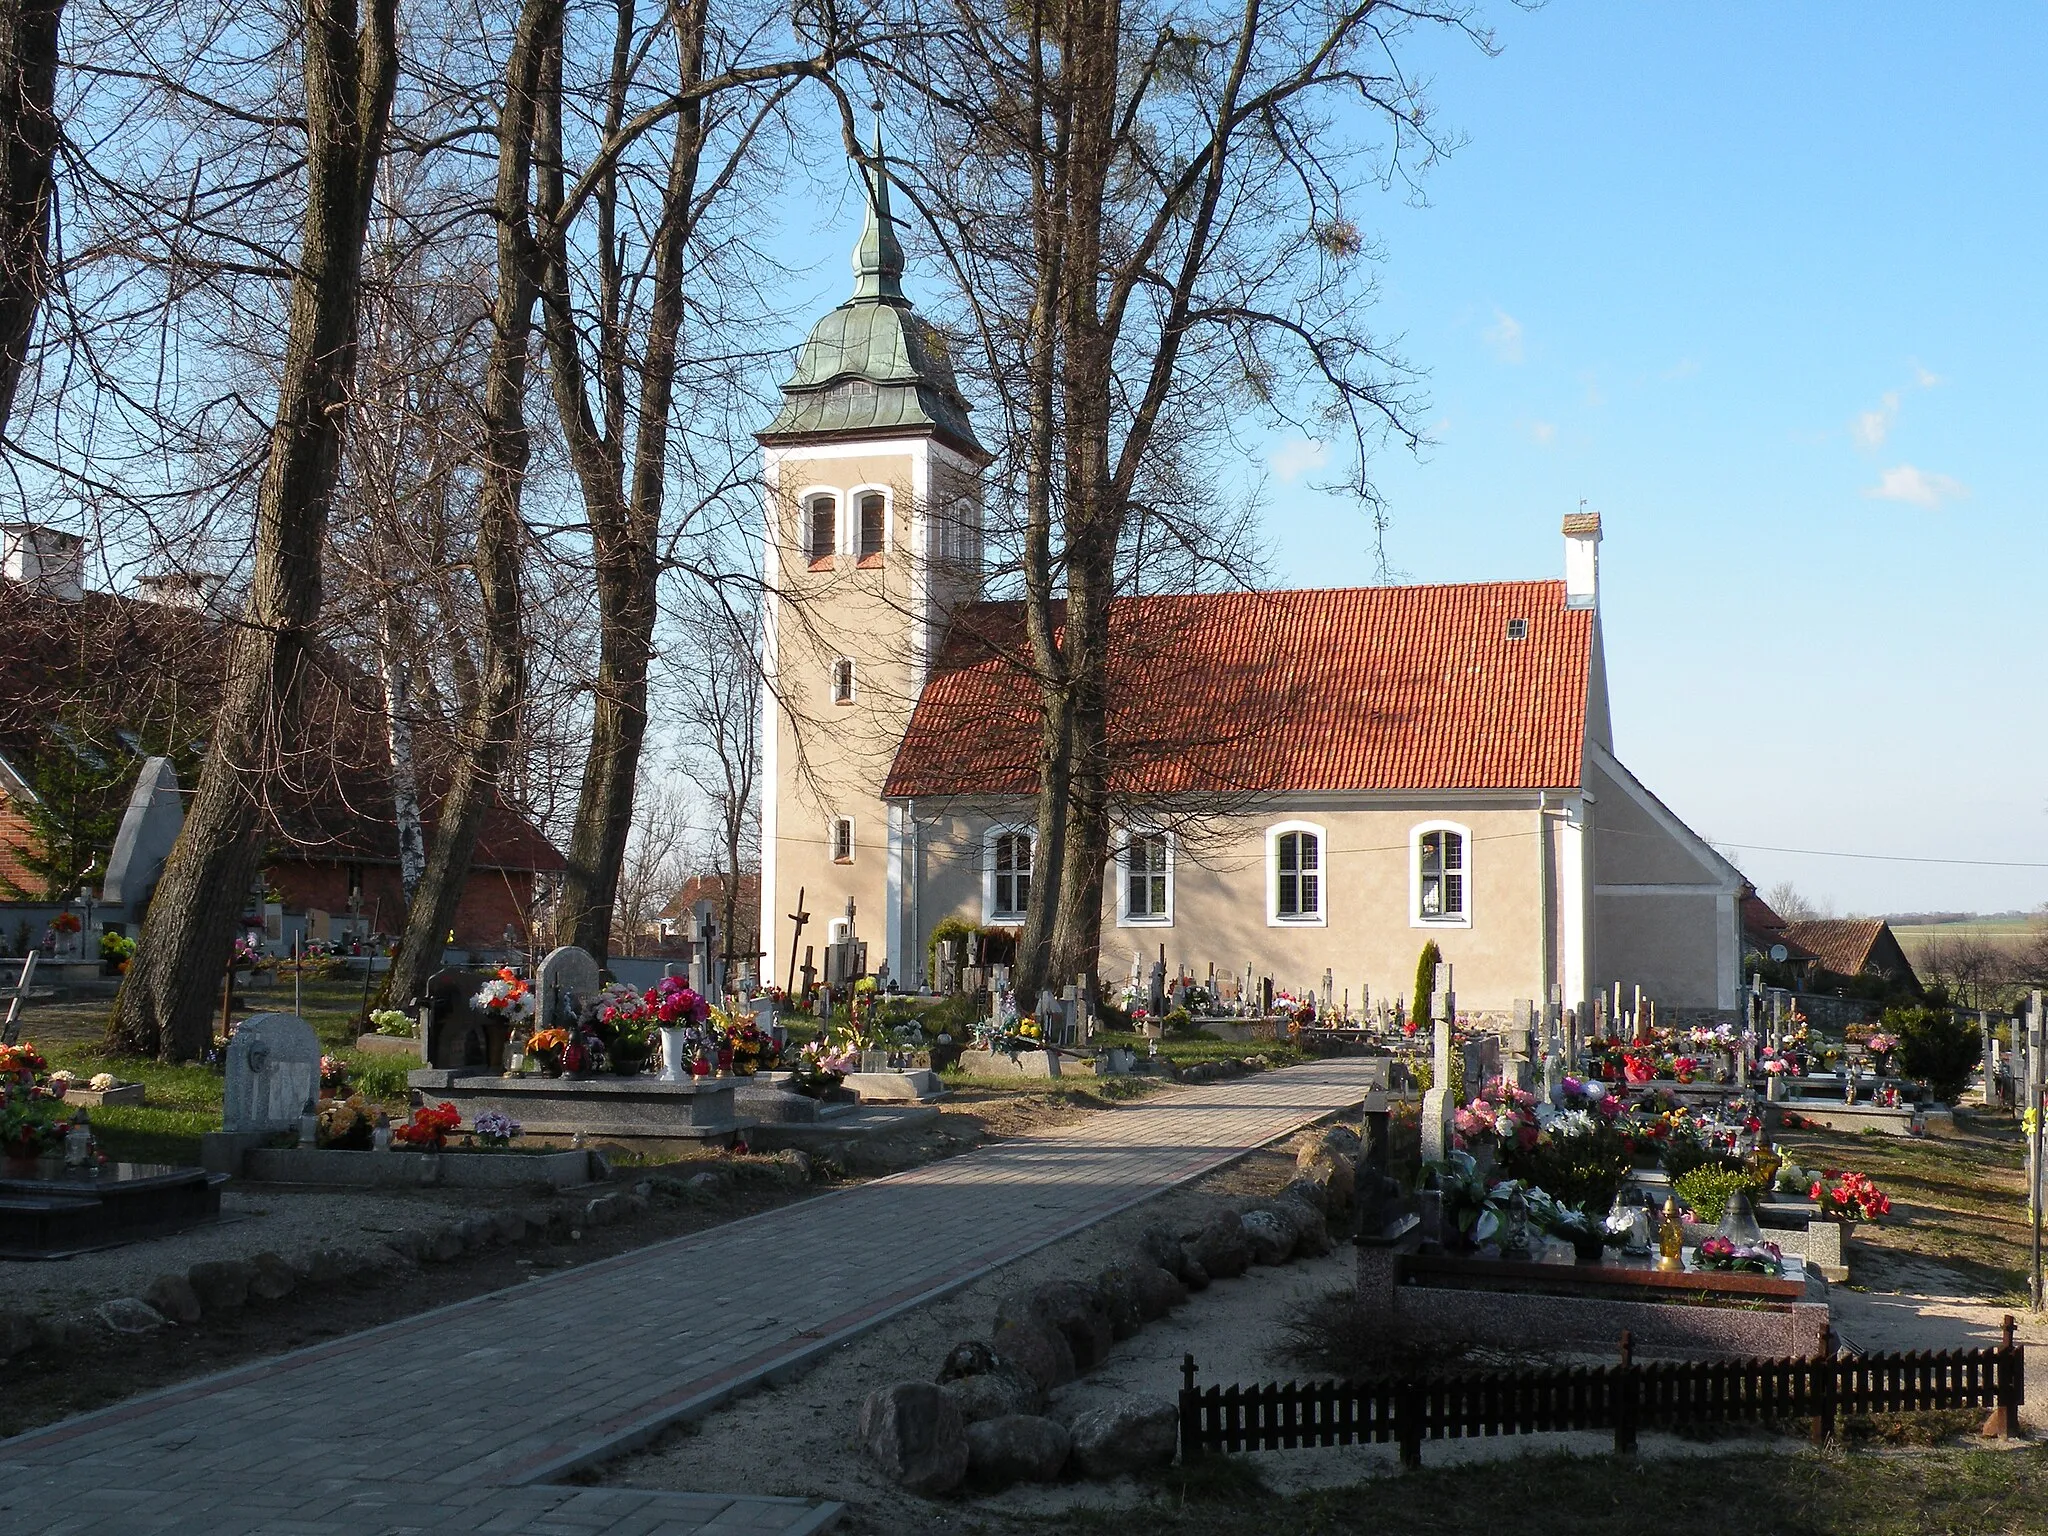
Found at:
[878, 258]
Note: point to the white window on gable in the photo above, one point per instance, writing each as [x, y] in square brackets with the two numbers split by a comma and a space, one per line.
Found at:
[842, 680]
[821, 528]
[1296, 875]
[1146, 879]
[842, 840]
[1440, 876]
[1006, 892]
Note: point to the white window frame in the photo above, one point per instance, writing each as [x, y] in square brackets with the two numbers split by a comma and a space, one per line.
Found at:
[839, 823]
[1321, 917]
[849, 526]
[990, 912]
[1460, 919]
[852, 694]
[1125, 918]
[807, 503]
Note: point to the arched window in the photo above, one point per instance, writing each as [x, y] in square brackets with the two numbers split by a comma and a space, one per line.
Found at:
[1006, 887]
[1440, 876]
[842, 840]
[821, 528]
[842, 680]
[874, 527]
[1296, 875]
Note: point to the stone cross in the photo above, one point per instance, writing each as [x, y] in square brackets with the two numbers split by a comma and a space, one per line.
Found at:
[565, 980]
[148, 828]
[1329, 993]
[273, 1074]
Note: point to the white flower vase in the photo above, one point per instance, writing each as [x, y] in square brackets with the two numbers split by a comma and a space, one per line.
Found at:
[1774, 1088]
[675, 1057]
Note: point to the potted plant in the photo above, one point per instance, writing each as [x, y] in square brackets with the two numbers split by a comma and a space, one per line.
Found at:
[680, 1015]
[545, 1047]
[626, 1022]
[428, 1129]
[116, 950]
[1849, 1198]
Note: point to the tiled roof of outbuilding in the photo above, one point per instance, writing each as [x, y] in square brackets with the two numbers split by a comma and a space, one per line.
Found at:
[1362, 688]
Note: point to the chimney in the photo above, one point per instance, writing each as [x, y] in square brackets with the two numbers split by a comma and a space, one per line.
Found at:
[1582, 559]
[47, 559]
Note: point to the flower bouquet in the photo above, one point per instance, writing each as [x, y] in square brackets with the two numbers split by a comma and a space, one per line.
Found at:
[346, 1124]
[391, 1021]
[333, 1077]
[684, 1019]
[507, 997]
[428, 1129]
[495, 1129]
[546, 1047]
[66, 923]
[21, 1062]
[626, 1022]
[33, 1126]
[1727, 1255]
[1881, 1046]
[1851, 1197]
[816, 1072]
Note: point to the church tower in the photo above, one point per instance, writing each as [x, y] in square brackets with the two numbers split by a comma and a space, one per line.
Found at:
[873, 527]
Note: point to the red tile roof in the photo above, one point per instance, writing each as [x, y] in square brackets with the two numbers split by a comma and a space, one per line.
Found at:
[1342, 689]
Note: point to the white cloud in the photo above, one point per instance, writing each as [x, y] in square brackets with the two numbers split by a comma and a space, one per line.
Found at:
[1504, 336]
[1871, 428]
[1297, 456]
[1921, 488]
[1542, 433]
[1925, 379]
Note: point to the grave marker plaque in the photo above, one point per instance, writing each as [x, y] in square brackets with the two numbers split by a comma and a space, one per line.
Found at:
[273, 1074]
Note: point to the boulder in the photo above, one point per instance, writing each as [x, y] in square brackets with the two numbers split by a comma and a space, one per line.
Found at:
[708, 1186]
[1039, 1351]
[1130, 1434]
[510, 1225]
[913, 1432]
[1270, 1235]
[1192, 1275]
[1157, 1292]
[443, 1244]
[222, 1285]
[970, 1358]
[1160, 1246]
[1076, 1311]
[602, 1211]
[993, 1394]
[1121, 1299]
[1311, 1194]
[1018, 1448]
[274, 1279]
[1311, 1229]
[479, 1232]
[130, 1315]
[1221, 1247]
[410, 1241]
[173, 1297]
[1336, 1175]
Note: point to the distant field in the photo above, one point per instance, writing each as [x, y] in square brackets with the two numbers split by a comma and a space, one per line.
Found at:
[2014, 931]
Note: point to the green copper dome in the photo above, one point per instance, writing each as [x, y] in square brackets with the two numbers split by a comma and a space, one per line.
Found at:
[873, 367]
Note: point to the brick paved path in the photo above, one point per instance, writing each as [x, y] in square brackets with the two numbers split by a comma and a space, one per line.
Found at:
[456, 1420]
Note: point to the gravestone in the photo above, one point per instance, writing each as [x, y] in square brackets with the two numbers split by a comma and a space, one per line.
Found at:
[566, 979]
[454, 1032]
[1438, 1105]
[273, 1073]
[148, 828]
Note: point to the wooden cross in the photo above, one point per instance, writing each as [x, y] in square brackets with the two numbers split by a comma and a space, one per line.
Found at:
[800, 917]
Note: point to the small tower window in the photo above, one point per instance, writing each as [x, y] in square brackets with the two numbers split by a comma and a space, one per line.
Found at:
[874, 515]
[842, 680]
[842, 840]
[821, 529]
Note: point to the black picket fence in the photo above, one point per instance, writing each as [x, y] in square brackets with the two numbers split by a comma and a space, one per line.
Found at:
[1621, 1398]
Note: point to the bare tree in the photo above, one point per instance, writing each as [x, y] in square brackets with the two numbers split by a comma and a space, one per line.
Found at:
[490, 722]
[1791, 904]
[717, 701]
[658, 857]
[28, 144]
[166, 1005]
[1152, 207]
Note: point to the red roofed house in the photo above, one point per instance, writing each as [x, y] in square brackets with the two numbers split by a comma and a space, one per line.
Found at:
[1305, 781]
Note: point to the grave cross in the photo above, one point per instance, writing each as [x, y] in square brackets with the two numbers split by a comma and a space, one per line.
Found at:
[1439, 1104]
[800, 917]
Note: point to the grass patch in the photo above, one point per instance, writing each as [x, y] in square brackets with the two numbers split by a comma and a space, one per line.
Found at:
[1741, 1493]
[141, 1134]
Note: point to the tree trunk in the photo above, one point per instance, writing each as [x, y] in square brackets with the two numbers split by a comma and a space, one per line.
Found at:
[625, 518]
[405, 784]
[490, 725]
[167, 1004]
[28, 142]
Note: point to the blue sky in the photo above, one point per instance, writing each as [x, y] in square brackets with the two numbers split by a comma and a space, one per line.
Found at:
[1762, 285]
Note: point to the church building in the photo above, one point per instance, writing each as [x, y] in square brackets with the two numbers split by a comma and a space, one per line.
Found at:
[1306, 781]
